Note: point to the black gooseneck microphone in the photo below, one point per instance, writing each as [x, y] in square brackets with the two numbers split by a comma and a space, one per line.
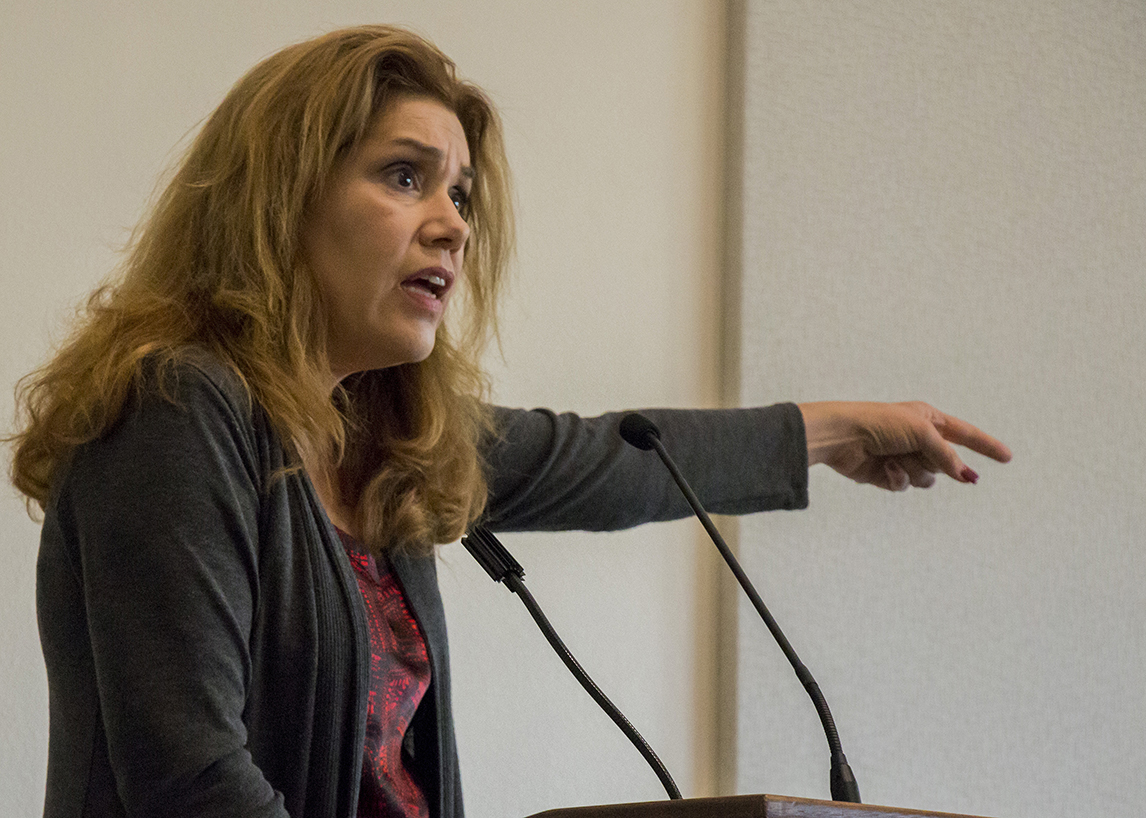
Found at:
[639, 431]
[502, 567]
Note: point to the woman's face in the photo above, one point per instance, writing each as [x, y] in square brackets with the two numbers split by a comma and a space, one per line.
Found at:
[386, 238]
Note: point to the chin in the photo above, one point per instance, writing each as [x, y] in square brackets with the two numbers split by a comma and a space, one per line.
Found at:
[421, 351]
[410, 353]
[378, 352]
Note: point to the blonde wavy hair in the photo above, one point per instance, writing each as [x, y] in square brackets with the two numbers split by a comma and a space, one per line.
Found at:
[216, 266]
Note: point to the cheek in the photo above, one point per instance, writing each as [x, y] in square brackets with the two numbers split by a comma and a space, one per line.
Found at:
[356, 233]
[325, 243]
[357, 218]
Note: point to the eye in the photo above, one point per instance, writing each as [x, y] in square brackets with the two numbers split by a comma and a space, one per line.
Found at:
[402, 176]
[461, 199]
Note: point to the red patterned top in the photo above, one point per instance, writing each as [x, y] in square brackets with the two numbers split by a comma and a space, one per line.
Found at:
[399, 678]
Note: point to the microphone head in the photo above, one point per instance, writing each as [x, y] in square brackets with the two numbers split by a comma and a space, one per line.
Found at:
[637, 430]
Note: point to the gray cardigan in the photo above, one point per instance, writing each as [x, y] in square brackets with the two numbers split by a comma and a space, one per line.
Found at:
[204, 636]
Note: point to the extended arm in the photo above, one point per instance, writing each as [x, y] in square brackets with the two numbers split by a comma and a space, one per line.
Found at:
[552, 471]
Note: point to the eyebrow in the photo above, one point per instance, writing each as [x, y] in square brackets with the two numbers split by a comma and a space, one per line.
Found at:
[430, 152]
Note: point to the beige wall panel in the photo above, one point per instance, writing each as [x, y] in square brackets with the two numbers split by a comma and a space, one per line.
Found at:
[946, 201]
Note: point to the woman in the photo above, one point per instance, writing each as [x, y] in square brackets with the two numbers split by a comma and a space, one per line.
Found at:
[250, 446]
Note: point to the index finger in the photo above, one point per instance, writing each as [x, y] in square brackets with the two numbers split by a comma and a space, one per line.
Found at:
[963, 433]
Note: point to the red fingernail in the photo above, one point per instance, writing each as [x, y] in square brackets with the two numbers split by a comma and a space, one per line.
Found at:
[968, 475]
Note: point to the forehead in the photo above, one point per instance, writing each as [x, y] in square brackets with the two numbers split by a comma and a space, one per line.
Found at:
[421, 120]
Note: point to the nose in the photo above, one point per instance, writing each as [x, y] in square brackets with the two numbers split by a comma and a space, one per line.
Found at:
[444, 226]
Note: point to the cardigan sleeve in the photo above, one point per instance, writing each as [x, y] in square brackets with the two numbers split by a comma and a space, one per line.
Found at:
[549, 471]
[146, 594]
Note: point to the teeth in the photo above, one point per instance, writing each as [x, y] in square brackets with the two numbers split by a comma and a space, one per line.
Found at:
[434, 284]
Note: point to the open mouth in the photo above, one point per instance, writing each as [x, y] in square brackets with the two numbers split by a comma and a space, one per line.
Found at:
[435, 283]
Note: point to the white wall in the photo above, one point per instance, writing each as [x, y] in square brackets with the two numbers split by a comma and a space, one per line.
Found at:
[613, 118]
[947, 201]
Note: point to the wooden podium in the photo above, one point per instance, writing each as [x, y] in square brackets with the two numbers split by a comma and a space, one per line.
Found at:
[741, 806]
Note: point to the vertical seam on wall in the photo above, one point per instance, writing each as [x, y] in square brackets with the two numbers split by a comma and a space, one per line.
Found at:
[731, 284]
